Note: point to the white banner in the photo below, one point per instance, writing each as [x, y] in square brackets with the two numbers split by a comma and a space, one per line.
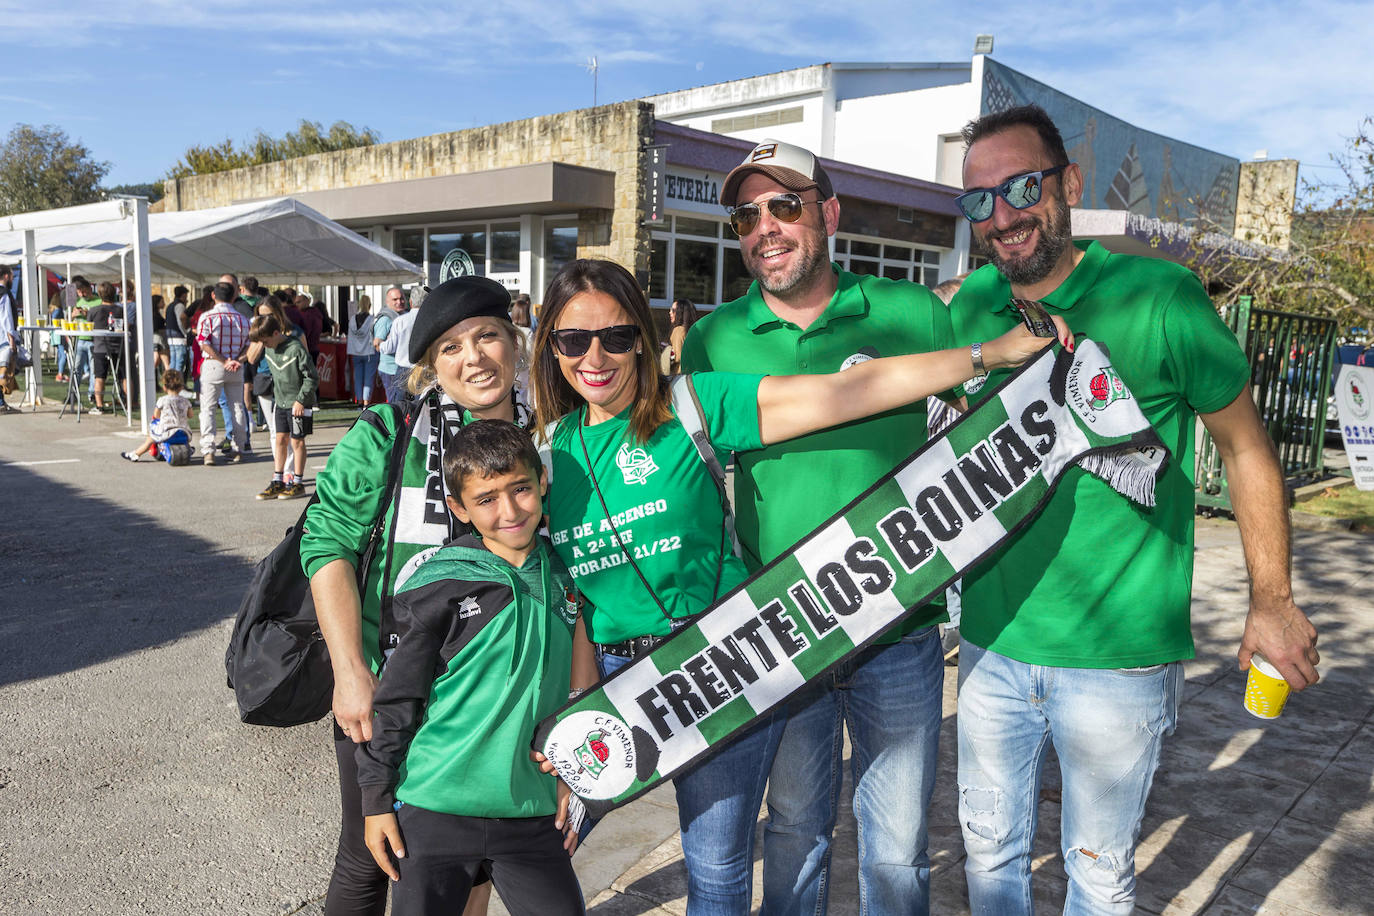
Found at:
[1355, 408]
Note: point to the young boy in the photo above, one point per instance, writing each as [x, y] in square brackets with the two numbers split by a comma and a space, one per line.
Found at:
[294, 383]
[172, 415]
[490, 645]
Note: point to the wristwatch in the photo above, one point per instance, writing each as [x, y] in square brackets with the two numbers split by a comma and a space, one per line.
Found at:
[979, 370]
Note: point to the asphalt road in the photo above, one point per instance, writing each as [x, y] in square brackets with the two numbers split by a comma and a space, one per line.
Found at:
[127, 783]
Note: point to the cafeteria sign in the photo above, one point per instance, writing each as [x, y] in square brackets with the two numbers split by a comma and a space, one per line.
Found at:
[898, 544]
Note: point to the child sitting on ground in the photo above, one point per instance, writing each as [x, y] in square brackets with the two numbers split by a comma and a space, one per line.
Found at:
[171, 416]
[294, 383]
[494, 613]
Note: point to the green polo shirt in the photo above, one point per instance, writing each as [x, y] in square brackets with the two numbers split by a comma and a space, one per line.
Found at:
[1095, 581]
[785, 491]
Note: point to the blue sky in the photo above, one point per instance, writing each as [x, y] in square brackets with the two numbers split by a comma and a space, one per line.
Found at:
[138, 83]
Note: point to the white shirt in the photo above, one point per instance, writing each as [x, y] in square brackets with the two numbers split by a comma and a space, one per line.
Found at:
[398, 341]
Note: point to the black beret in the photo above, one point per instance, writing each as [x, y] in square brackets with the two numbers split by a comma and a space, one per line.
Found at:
[451, 302]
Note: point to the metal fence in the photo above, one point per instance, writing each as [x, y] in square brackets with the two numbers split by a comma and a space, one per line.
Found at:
[1290, 377]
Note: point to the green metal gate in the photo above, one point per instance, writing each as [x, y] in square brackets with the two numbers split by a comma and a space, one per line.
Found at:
[1290, 376]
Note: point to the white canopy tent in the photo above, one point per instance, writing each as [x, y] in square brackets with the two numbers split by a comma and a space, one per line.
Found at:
[278, 241]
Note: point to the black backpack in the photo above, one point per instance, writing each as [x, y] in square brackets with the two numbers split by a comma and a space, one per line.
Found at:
[277, 662]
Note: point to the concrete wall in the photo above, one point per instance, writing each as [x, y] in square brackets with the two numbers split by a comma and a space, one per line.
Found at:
[768, 90]
[901, 132]
[609, 137]
[809, 132]
[1264, 202]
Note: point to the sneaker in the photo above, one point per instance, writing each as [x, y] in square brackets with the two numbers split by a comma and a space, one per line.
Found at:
[236, 458]
[209, 459]
[227, 445]
[273, 490]
[248, 448]
[292, 491]
[8, 408]
[128, 456]
[94, 410]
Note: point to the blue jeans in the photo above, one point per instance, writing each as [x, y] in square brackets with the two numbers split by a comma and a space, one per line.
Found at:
[364, 369]
[176, 356]
[83, 364]
[1107, 726]
[717, 807]
[890, 698]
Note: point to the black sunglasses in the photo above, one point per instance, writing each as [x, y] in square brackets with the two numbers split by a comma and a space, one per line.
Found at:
[1020, 192]
[618, 338]
[785, 207]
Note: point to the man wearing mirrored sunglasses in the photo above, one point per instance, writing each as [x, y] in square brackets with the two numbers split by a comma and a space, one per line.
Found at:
[805, 315]
[1076, 630]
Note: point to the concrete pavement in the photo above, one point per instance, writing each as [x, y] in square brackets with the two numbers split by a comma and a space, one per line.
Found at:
[127, 784]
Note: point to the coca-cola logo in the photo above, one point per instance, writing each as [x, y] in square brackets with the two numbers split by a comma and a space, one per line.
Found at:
[325, 364]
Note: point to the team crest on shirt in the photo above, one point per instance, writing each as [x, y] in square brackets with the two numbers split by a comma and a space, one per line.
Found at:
[572, 605]
[468, 608]
[975, 384]
[635, 464]
[863, 356]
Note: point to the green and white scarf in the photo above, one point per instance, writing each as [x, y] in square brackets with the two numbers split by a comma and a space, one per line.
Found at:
[902, 541]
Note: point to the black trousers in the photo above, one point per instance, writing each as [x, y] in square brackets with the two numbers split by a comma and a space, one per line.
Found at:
[447, 853]
[357, 887]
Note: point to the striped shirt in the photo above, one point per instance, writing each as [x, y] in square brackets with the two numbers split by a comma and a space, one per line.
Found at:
[224, 329]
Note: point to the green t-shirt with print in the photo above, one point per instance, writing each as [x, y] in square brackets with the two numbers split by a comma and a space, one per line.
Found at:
[1096, 581]
[82, 310]
[662, 502]
[784, 491]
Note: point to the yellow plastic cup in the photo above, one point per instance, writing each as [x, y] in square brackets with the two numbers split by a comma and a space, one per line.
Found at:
[1266, 691]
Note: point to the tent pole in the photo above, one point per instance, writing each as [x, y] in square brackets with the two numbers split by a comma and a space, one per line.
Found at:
[33, 376]
[147, 362]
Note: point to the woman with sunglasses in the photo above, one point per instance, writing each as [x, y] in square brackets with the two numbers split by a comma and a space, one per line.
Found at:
[466, 354]
[638, 519]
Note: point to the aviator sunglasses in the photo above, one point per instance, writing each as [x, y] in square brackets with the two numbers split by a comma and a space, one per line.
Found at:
[618, 338]
[784, 207]
[1020, 192]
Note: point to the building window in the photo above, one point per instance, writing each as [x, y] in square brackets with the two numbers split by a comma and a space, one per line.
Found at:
[505, 248]
[755, 121]
[890, 260]
[560, 247]
[658, 269]
[735, 280]
[694, 270]
[410, 244]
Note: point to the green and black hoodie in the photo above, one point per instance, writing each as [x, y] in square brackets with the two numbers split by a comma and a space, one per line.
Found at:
[485, 654]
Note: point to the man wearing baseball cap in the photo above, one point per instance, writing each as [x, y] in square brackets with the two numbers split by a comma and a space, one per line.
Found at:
[803, 314]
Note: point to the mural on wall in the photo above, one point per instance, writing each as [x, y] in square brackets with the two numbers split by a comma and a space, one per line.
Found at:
[1125, 167]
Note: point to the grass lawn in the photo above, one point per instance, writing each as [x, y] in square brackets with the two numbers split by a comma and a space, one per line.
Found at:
[1345, 502]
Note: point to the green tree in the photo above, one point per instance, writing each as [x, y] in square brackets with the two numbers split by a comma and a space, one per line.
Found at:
[149, 189]
[42, 168]
[308, 138]
[1328, 269]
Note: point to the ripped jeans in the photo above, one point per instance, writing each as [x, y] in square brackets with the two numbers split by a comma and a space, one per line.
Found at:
[1107, 726]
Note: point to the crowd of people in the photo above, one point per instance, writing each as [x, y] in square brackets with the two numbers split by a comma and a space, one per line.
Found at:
[467, 627]
[454, 626]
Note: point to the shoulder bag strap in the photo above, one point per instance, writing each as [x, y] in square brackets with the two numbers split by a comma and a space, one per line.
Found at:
[687, 406]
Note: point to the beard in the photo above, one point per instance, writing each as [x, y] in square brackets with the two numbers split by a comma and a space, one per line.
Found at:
[1056, 235]
[813, 261]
